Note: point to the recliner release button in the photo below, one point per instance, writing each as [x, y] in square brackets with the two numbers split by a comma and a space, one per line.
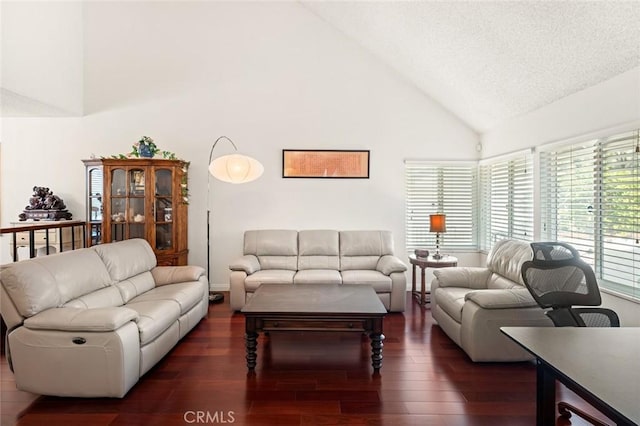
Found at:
[79, 340]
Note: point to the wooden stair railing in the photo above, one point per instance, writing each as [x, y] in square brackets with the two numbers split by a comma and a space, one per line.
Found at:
[47, 226]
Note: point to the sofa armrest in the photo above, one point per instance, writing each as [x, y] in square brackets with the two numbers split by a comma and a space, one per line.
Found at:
[163, 275]
[78, 319]
[463, 276]
[247, 263]
[502, 298]
[389, 264]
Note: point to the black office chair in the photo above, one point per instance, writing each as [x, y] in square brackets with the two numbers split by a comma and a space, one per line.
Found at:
[558, 280]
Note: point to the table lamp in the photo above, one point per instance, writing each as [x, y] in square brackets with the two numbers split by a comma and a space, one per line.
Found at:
[437, 224]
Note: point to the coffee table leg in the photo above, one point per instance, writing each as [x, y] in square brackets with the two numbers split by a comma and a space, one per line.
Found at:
[251, 341]
[376, 350]
[377, 338]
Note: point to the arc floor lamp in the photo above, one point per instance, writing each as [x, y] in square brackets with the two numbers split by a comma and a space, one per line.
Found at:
[233, 168]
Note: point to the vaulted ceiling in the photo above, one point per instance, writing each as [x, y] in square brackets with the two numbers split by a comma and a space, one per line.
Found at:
[488, 61]
[484, 61]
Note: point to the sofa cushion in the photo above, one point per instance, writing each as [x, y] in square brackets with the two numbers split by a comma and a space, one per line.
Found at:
[318, 249]
[502, 298]
[278, 262]
[281, 242]
[270, 276]
[363, 249]
[506, 259]
[126, 258]
[103, 298]
[275, 249]
[155, 317]
[135, 285]
[186, 295]
[50, 281]
[498, 282]
[381, 283]
[317, 276]
[349, 263]
[451, 300]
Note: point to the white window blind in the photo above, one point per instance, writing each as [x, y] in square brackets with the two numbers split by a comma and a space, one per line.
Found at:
[506, 191]
[620, 205]
[590, 198]
[440, 188]
[567, 195]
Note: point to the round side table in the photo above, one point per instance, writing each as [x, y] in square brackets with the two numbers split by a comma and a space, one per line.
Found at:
[423, 263]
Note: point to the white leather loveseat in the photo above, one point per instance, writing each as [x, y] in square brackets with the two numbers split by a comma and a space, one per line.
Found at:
[471, 303]
[91, 322]
[319, 256]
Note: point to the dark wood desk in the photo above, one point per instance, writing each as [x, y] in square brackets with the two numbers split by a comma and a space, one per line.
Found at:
[598, 364]
[423, 263]
[314, 307]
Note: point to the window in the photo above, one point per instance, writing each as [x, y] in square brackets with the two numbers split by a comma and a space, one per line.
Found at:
[506, 191]
[441, 188]
[590, 198]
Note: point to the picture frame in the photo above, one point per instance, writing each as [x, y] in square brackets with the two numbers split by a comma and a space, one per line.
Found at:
[325, 163]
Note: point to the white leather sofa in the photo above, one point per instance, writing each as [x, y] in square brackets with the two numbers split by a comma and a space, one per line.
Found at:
[91, 322]
[471, 303]
[319, 256]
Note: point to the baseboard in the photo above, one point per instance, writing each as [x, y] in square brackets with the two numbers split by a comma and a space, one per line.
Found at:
[219, 287]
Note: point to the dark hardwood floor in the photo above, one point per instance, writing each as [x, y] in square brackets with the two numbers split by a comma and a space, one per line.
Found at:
[304, 379]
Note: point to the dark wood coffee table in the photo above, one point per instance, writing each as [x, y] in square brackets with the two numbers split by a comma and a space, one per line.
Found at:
[314, 307]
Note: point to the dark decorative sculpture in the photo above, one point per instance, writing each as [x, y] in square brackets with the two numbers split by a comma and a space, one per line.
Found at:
[44, 205]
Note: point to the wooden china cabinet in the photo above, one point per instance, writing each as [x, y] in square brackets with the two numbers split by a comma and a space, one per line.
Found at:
[139, 198]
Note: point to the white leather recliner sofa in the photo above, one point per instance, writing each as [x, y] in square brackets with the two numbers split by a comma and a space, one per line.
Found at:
[471, 303]
[319, 256]
[91, 322]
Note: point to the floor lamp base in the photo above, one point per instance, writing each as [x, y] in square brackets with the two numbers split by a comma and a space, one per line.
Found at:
[216, 297]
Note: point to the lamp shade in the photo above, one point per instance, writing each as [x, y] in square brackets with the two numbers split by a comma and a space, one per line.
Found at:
[437, 223]
[236, 168]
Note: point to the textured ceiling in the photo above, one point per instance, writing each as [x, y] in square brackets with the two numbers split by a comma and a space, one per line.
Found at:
[489, 61]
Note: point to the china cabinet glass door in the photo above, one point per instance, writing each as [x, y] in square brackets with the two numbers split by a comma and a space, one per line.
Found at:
[163, 209]
[127, 204]
[135, 208]
[118, 204]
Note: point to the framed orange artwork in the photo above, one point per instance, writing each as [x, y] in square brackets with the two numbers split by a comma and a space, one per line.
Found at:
[325, 163]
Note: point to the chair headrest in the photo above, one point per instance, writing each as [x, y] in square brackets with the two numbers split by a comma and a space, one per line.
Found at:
[557, 277]
[544, 252]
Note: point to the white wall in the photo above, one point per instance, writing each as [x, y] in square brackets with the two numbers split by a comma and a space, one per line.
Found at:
[42, 63]
[269, 76]
[613, 104]
[610, 104]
